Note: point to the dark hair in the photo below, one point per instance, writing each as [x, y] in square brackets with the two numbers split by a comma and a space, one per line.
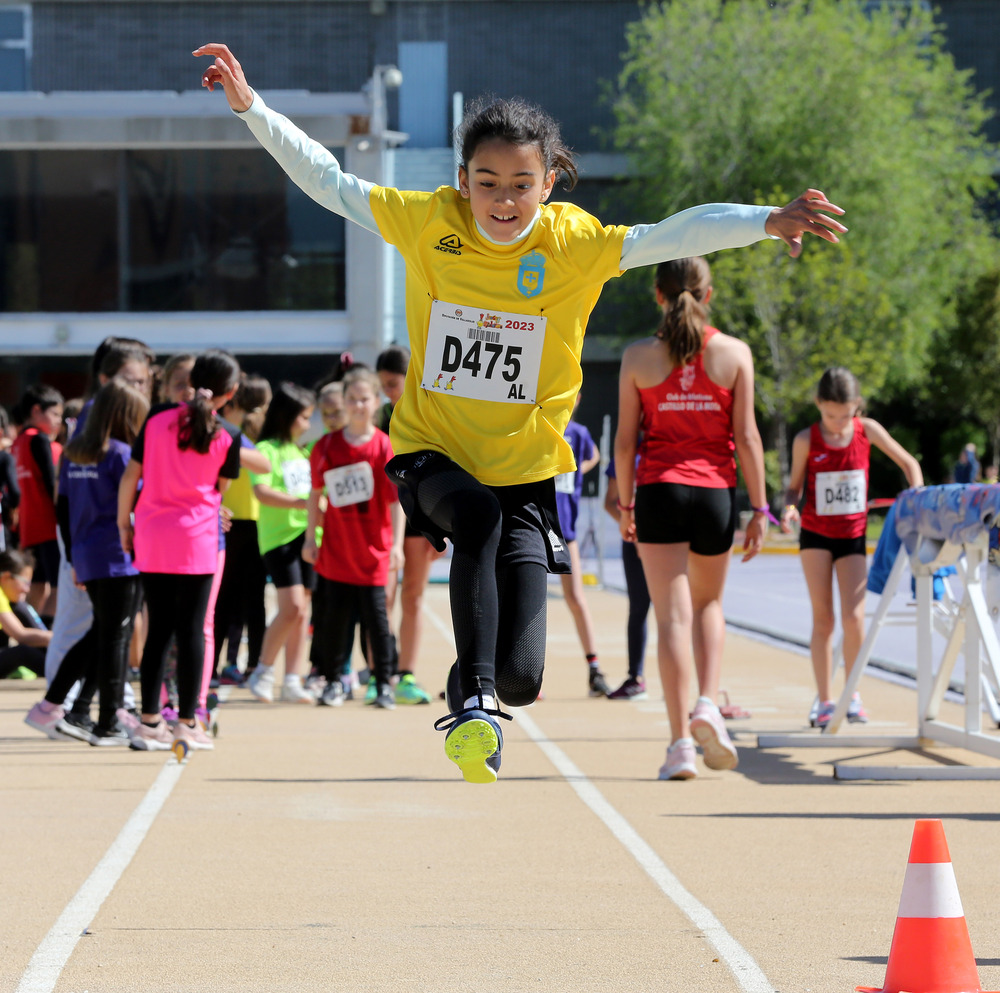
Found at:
[838, 385]
[118, 412]
[343, 364]
[288, 401]
[16, 560]
[4, 419]
[253, 396]
[215, 372]
[519, 123]
[684, 284]
[38, 394]
[112, 353]
[394, 359]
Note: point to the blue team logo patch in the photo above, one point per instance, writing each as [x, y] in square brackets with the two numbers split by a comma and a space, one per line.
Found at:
[531, 274]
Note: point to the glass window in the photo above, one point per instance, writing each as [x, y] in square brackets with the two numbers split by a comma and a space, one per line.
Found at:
[98, 231]
[212, 230]
[12, 24]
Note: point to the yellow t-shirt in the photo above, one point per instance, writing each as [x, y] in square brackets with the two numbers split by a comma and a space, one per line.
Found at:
[4, 605]
[239, 498]
[557, 271]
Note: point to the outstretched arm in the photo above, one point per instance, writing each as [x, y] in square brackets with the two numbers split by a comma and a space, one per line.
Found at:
[715, 226]
[310, 165]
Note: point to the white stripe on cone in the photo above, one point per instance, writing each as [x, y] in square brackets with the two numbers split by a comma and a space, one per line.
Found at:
[930, 890]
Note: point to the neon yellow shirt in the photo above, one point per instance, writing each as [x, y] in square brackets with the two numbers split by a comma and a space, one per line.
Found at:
[239, 498]
[4, 604]
[557, 271]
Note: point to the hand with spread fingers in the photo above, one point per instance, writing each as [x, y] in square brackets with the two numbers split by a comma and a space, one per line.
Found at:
[228, 73]
[805, 213]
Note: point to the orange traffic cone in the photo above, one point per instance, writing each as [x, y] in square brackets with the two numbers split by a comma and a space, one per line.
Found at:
[931, 951]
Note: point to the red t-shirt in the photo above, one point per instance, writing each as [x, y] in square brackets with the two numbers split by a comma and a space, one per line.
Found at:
[687, 429]
[836, 486]
[357, 525]
[38, 512]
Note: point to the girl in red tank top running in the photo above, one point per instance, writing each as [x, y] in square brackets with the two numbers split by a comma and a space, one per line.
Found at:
[830, 476]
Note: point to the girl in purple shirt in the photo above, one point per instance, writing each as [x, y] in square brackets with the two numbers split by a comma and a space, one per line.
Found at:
[184, 456]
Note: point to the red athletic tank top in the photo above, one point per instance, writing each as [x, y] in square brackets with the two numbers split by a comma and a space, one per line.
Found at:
[37, 512]
[687, 429]
[836, 486]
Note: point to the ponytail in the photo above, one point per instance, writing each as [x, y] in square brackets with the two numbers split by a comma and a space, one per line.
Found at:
[684, 285]
[214, 374]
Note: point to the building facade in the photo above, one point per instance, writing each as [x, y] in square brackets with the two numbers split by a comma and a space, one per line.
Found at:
[133, 202]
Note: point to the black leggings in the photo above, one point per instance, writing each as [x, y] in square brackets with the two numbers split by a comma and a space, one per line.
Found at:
[177, 604]
[498, 614]
[100, 657]
[344, 605]
[241, 595]
[638, 608]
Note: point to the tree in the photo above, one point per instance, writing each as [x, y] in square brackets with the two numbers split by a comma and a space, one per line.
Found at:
[728, 100]
[965, 372]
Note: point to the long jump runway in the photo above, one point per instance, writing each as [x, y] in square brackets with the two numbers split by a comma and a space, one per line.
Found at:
[337, 849]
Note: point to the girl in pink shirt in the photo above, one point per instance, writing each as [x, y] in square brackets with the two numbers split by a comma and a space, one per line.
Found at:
[184, 456]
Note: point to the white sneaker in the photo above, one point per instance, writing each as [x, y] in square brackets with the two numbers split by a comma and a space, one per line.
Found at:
[708, 728]
[261, 683]
[295, 692]
[680, 761]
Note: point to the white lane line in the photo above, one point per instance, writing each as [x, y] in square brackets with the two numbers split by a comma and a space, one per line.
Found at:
[53, 953]
[748, 974]
[741, 963]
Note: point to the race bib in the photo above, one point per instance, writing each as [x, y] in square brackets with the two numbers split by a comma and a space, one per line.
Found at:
[483, 355]
[349, 484]
[566, 483]
[839, 493]
[297, 477]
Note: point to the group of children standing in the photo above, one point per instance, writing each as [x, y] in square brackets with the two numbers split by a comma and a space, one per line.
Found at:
[175, 516]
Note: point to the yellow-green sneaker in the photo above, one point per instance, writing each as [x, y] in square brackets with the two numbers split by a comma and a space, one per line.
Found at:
[409, 691]
[371, 692]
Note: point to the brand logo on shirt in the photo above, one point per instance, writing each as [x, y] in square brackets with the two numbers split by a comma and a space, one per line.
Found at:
[687, 378]
[531, 274]
[819, 457]
[450, 243]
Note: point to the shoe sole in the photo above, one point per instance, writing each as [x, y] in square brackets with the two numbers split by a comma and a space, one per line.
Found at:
[625, 696]
[76, 734]
[714, 751]
[412, 703]
[469, 746]
[679, 775]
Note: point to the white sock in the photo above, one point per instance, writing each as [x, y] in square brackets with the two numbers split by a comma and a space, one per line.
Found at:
[293, 679]
[489, 703]
[708, 703]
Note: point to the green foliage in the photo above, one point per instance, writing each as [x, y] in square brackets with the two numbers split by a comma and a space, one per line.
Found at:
[732, 100]
[964, 379]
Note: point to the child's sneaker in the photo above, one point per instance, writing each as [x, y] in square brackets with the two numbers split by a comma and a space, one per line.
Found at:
[23, 672]
[114, 735]
[598, 685]
[152, 739]
[680, 761]
[371, 691]
[44, 716]
[128, 720]
[474, 741]
[409, 691]
[856, 713]
[78, 726]
[634, 688]
[295, 692]
[261, 683]
[332, 695]
[193, 736]
[384, 697]
[231, 676]
[824, 713]
[708, 728]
